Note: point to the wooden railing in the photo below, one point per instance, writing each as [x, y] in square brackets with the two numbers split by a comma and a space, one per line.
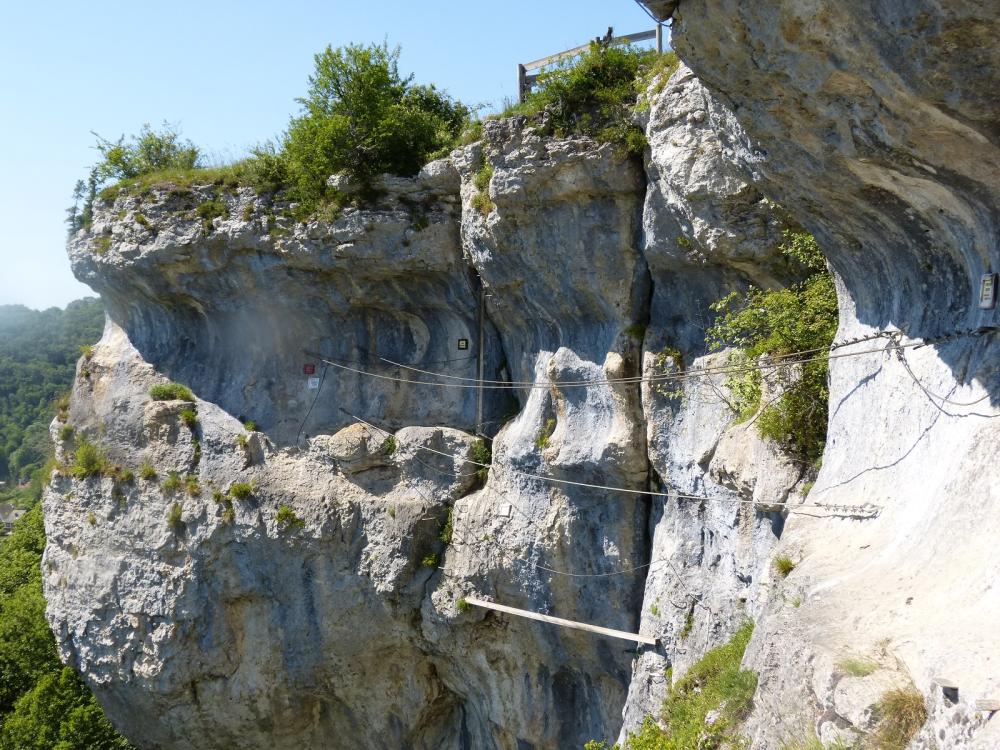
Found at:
[526, 80]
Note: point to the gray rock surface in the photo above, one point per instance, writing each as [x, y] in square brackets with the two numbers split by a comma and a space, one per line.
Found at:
[348, 623]
[876, 127]
[239, 306]
[707, 231]
[326, 606]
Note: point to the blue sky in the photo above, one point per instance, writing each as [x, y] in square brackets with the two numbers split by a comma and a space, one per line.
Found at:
[228, 74]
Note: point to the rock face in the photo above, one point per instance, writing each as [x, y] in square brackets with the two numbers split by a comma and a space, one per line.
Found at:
[876, 128]
[305, 586]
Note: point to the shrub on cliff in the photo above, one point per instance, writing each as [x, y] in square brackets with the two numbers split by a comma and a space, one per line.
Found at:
[149, 152]
[595, 93]
[171, 392]
[778, 323]
[362, 117]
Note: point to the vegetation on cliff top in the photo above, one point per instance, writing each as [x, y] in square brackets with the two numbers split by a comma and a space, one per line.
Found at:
[360, 117]
[596, 93]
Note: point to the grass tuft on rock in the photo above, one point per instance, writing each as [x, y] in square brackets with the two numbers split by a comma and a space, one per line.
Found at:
[241, 490]
[856, 667]
[595, 94]
[171, 392]
[900, 713]
[287, 519]
[88, 461]
[713, 684]
[783, 565]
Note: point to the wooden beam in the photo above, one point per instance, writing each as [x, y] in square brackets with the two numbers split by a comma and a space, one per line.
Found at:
[639, 36]
[543, 61]
[625, 636]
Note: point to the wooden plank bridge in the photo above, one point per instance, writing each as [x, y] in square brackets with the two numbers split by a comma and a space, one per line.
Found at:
[611, 633]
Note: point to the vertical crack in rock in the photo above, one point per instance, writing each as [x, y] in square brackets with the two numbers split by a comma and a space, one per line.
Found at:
[706, 232]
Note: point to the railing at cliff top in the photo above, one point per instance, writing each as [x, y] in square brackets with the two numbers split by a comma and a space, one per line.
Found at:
[525, 80]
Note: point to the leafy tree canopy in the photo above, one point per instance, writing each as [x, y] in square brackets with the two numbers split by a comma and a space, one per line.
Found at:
[43, 705]
[361, 116]
[38, 354]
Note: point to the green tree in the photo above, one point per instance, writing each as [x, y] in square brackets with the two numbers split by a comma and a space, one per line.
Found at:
[59, 713]
[150, 151]
[361, 116]
[38, 354]
[42, 703]
[127, 158]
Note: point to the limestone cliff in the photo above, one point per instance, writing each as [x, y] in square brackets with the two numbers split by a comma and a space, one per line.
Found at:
[876, 127]
[305, 587]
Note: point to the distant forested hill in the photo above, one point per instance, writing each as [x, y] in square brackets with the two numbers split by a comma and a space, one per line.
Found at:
[43, 705]
[38, 353]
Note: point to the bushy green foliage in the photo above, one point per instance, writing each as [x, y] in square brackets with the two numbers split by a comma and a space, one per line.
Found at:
[362, 117]
[448, 529]
[38, 353]
[241, 490]
[171, 392]
[462, 606]
[483, 177]
[43, 705]
[174, 518]
[150, 151]
[173, 482]
[147, 471]
[542, 439]
[654, 75]
[127, 159]
[190, 418]
[59, 713]
[430, 560]
[715, 682]
[481, 201]
[688, 625]
[595, 94]
[191, 485]
[88, 460]
[389, 445]
[209, 210]
[482, 454]
[287, 519]
[778, 322]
